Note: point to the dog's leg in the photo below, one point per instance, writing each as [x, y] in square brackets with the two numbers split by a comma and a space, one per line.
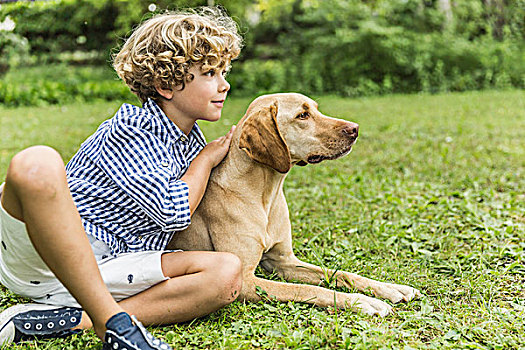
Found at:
[283, 261]
[311, 294]
[249, 249]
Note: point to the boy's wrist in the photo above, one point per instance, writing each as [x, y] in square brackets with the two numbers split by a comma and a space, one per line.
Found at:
[205, 159]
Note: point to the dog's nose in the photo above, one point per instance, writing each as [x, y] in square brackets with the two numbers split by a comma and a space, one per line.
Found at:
[351, 129]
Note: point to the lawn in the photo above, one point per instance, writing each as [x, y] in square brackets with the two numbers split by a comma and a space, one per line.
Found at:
[433, 196]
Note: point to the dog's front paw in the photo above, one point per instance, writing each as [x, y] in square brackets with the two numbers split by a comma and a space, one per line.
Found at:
[368, 305]
[395, 292]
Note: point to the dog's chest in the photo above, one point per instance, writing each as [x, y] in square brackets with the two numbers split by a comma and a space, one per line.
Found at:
[278, 222]
[267, 241]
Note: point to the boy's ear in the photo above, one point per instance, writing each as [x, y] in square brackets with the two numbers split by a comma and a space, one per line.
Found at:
[166, 93]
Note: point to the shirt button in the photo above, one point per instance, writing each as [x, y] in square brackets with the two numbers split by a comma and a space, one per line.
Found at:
[184, 139]
[164, 163]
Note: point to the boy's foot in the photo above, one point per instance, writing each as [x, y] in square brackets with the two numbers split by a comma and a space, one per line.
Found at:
[26, 321]
[125, 332]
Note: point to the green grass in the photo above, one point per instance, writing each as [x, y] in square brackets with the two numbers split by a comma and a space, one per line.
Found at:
[432, 196]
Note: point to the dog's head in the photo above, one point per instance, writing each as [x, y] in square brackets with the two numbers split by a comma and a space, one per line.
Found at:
[281, 130]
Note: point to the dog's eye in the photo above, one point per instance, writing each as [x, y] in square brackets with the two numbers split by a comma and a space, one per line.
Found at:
[303, 116]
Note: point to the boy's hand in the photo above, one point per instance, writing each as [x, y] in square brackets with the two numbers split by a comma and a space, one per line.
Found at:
[215, 151]
[198, 172]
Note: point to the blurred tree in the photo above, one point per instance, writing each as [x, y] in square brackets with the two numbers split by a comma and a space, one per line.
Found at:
[56, 26]
[446, 8]
[68, 25]
[133, 12]
[14, 50]
[496, 15]
[351, 47]
[355, 47]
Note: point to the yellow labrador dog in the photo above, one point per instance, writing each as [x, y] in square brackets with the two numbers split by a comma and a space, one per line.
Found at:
[244, 210]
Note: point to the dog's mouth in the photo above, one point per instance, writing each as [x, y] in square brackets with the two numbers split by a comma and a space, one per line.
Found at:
[318, 158]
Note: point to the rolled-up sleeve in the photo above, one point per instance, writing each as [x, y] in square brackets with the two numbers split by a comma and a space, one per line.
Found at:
[144, 168]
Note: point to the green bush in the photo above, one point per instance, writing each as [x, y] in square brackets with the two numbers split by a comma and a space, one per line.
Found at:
[14, 51]
[59, 83]
[61, 30]
[257, 76]
[375, 60]
[49, 92]
[53, 27]
[354, 49]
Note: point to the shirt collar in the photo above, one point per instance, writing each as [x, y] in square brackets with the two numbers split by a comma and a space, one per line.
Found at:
[199, 136]
[152, 107]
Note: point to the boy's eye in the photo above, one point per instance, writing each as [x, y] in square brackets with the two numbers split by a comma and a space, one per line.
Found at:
[212, 73]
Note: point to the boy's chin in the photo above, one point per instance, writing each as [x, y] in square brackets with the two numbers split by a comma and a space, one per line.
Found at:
[212, 118]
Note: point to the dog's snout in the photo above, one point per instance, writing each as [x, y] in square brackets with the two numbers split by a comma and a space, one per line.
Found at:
[351, 130]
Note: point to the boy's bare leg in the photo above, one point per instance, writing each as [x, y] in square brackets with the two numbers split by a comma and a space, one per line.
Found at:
[36, 192]
[200, 283]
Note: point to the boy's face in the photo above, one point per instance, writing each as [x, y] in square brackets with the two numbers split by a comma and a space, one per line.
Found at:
[201, 99]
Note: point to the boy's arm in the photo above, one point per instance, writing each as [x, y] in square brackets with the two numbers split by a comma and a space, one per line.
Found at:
[198, 173]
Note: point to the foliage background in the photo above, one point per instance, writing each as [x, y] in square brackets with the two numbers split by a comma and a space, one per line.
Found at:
[344, 47]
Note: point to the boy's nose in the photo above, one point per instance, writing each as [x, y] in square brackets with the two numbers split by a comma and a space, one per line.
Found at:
[223, 85]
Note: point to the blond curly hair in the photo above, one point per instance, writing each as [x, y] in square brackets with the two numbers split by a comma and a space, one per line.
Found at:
[162, 49]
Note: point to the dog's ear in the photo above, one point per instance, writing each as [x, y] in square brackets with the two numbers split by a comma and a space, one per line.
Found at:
[262, 141]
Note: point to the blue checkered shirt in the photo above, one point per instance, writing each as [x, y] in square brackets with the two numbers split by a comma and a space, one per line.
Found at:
[125, 179]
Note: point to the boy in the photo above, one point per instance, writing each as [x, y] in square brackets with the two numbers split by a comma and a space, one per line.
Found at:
[131, 185]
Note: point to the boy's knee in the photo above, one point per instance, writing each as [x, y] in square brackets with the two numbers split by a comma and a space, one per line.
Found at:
[228, 271]
[36, 168]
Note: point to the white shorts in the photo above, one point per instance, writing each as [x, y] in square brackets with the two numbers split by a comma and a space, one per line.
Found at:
[24, 272]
